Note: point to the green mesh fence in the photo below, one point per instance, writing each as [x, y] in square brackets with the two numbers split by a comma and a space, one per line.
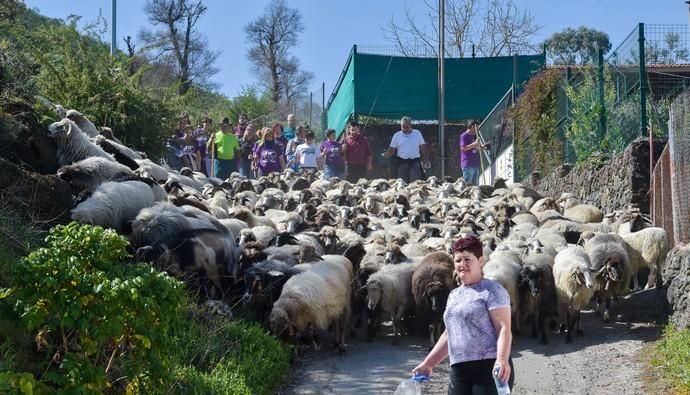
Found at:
[389, 87]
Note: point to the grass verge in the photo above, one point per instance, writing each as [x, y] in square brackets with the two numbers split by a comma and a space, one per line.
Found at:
[672, 359]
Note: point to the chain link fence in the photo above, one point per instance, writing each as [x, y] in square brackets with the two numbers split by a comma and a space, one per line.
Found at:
[671, 177]
[602, 108]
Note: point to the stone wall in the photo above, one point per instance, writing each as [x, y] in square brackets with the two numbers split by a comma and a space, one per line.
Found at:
[674, 291]
[609, 184]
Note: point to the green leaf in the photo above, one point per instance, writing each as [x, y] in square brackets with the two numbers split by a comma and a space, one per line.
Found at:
[26, 386]
[5, 292]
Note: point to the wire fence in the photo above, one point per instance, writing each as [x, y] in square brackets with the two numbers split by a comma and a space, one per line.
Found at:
[602, 108]
[670, 188]
[497, 130]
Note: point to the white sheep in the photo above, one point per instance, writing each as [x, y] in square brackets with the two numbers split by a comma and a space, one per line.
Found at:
[151, 170]
[389, 291]
[84, 123]
[504, 270]
[611, 266]
[572, 273]
[91, 172]
[114, 148]
[584, 213]
[647, 248]
[315, 299]
[247, 216]
[114, 204]
[72, 144]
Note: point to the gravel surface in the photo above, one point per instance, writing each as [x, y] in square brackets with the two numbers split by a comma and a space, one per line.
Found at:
[604, 361]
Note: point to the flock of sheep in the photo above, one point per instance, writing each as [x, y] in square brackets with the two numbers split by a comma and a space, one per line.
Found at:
[306, 254]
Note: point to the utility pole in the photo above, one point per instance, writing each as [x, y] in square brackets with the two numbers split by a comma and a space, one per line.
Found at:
[441, 85]
[113, 40]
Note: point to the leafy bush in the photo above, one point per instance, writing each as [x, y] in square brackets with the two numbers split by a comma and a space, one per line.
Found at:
[77, 71]
[537, 146]
[98, 318]
[209, 350]
[674, 357]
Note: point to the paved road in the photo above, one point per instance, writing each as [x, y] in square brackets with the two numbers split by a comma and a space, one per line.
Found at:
[604, 361]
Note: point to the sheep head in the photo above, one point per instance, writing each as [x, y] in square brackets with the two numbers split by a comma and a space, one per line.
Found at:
[329, 238]
[612, 270]
[293, 222]
[393, 254]
[279, 322]
[533, 278]
[437, 294]
[582, 275]
[374, 294]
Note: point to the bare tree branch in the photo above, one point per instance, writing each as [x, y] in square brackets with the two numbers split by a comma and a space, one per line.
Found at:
[179, 37]
[494, 27]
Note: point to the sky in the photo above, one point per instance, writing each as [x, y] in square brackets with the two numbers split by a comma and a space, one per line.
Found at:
[333, 26]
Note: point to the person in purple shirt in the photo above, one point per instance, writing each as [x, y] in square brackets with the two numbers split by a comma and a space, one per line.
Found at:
[331, 151]
[477, 318]
[201, 136]
[268, 155]
[469, 154]
[277, 129]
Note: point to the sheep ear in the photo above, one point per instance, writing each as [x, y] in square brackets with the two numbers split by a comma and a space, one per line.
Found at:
[275, 273]
[69, 128]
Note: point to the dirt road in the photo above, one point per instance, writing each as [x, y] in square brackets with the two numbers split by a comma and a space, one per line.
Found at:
[604, 361]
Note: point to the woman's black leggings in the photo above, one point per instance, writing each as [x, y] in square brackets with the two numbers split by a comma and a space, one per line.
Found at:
[475, 378]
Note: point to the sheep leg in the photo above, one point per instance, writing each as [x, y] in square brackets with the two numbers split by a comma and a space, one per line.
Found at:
[607, 306]
[651, 280]
[579, 332]
[534, 322]
[397, 325]
[371, 325]
[432, 333]
[542, 326]
[636, 283]
[569, 323]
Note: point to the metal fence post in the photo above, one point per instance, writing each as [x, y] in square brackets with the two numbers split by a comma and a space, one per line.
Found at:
[643, 81]
[602, 97]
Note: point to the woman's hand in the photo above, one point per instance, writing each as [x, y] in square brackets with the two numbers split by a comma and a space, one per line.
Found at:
[423, 368]
[504, 370]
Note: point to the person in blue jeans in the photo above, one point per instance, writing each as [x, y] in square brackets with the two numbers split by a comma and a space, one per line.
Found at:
[334, 162]
[469, 154]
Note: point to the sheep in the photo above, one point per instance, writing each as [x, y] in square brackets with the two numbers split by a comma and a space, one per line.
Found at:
[432, 281]
[537, 292]
[503, 270]
[114, 204]
[546, 215]
[543, 204]
[149, 169]
[572, 273]
[611, 266]
[122, 154]
[388, 290]
[525, 217]
[252, 220]
[72, 144]
[584, 213]
[647, 248]
[82, 122]
[315, 299]
[264, 234]
[91, 172]
[263, 283]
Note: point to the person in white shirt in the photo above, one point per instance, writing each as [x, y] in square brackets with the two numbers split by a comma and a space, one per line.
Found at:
[307, 154]
[409, 146]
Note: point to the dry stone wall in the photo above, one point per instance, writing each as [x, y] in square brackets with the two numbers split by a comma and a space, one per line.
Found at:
[610, 184]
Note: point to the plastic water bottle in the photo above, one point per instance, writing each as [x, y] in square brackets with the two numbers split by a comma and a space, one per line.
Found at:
[411, 386]
[501, 387]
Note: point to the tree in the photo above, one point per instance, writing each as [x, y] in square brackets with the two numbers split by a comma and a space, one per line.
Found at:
[576, 46]
[271, 36]
[178, 42]
[493, 27]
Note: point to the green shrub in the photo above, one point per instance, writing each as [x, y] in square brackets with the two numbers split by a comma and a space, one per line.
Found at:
[674, 357]
[98, 318]
[213, 347]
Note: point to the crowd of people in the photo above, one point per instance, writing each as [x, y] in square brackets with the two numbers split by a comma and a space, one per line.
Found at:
[254, 153]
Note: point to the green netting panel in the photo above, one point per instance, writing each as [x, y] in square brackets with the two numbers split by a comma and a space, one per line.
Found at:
[391, 86]
[341, 105]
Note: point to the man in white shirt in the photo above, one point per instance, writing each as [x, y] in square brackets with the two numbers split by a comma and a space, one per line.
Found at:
[307, 154]
[409, 146]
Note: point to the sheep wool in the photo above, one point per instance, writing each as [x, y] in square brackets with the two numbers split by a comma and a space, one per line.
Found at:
[72, 144]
